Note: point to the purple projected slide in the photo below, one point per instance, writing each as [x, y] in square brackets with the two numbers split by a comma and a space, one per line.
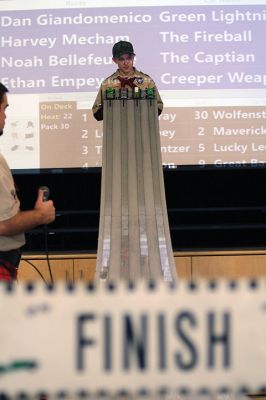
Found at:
[208, 62]
[210, 47]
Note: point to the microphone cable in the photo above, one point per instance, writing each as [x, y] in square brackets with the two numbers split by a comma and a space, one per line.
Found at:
[46, 194]
[36, 269]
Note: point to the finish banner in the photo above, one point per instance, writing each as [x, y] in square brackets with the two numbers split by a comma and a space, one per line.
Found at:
[85, 341]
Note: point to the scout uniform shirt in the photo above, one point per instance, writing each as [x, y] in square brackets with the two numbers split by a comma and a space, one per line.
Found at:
[9, 207]
[142, 81]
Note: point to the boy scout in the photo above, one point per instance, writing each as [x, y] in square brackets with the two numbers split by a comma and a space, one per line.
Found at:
[126, 76]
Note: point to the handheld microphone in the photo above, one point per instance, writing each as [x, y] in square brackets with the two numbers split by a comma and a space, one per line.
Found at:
[46, 193]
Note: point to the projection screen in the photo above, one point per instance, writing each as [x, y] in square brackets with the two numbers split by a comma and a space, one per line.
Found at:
[207, 58]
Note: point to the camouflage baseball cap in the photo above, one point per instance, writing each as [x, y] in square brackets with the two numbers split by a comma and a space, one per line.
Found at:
[121, 48]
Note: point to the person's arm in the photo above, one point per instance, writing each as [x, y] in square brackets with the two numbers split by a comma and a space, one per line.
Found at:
[43, 213]
[149, 83]
[97, 107]
[159, 101]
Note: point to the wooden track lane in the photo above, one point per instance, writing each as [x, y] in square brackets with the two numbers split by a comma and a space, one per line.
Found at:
[134, 239]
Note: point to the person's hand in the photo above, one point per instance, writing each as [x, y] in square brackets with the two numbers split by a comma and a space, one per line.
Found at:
[45, 209]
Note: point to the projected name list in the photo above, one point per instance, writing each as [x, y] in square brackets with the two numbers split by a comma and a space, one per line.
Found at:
[225, 54]
[218, 136]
